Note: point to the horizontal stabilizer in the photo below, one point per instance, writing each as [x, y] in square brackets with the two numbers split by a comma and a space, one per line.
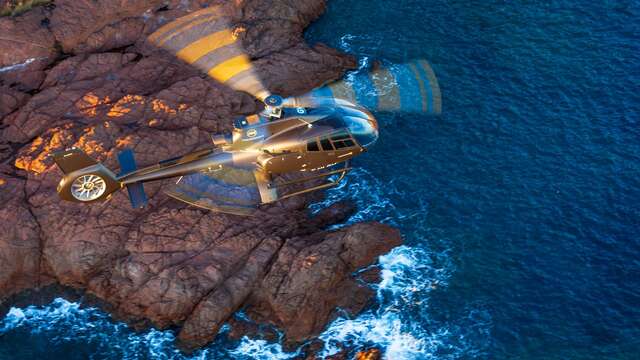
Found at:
[136, 190]
[72, 159]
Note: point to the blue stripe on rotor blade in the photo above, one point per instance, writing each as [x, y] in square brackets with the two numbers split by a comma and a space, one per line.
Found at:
[408, 87]
[427, 86]
[324, 91]
[365, 91]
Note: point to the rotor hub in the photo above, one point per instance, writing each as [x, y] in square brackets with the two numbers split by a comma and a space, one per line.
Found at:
[273, 100]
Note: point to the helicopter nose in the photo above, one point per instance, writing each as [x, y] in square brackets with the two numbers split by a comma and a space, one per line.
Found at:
[374, 122]
[364, 129]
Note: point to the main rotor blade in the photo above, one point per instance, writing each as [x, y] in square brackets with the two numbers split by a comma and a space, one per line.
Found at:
[410, 87]
[229, 190]
[205, 39]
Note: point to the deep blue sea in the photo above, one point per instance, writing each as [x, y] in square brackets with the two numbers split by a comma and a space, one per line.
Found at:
[520, 205]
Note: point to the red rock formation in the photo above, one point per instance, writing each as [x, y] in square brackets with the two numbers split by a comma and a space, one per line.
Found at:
[95, 84]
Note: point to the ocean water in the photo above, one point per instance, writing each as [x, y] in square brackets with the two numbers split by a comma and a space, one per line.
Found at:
[520, 205]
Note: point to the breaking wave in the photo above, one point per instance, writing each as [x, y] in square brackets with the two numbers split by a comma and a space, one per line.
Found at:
[399, 323]
[63, 323]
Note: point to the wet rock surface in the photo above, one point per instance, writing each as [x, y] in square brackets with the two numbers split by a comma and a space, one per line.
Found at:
[79, 73]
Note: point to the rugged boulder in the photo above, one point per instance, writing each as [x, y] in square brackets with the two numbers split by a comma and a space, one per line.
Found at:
[79, 73]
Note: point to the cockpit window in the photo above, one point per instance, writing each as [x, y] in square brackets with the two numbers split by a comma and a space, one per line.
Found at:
[326, 144]
[342, 144]
[342, 140]
[312, 146]
[338, 145]
[363, 130]
[340, 136]
[352, 124]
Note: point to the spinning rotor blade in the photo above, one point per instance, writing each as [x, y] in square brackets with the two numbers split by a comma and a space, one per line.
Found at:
[205, 40]
[410, 87]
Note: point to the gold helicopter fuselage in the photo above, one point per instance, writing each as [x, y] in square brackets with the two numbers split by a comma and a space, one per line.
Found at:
[307, 141]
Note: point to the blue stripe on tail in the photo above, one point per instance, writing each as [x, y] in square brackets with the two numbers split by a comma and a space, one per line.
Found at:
[136, 191]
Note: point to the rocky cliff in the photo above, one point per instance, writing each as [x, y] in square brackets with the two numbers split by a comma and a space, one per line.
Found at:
[79, 73]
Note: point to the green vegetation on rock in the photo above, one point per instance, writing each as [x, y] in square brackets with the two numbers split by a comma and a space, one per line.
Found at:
[17, 7]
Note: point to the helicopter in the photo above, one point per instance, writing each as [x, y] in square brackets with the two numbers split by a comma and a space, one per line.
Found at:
[312, 137]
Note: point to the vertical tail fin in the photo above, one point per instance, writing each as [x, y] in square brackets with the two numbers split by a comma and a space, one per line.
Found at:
[136, 190]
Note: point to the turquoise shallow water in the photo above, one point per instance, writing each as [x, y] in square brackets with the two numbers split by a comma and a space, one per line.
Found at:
[519, 205]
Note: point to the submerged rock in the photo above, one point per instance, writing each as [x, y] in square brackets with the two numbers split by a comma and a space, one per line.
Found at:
[95, 84]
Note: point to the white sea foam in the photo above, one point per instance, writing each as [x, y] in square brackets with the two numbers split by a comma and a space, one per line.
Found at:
[403, 290]
[369, 195]
[345, 42]
[64, 321]
[261, 350]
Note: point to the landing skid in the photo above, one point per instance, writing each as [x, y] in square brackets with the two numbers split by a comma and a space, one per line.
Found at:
[343, 171]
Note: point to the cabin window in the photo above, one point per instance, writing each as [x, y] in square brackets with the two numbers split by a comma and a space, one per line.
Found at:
[343, 144]
[326, 145]
[342, 140]
[339, 144]
[312, 146]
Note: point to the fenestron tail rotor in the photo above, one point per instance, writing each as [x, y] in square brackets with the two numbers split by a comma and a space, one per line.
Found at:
[410, 87]
[206, 40]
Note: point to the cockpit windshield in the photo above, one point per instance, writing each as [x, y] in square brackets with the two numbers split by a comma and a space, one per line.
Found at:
[361, 125]
[363, 130]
